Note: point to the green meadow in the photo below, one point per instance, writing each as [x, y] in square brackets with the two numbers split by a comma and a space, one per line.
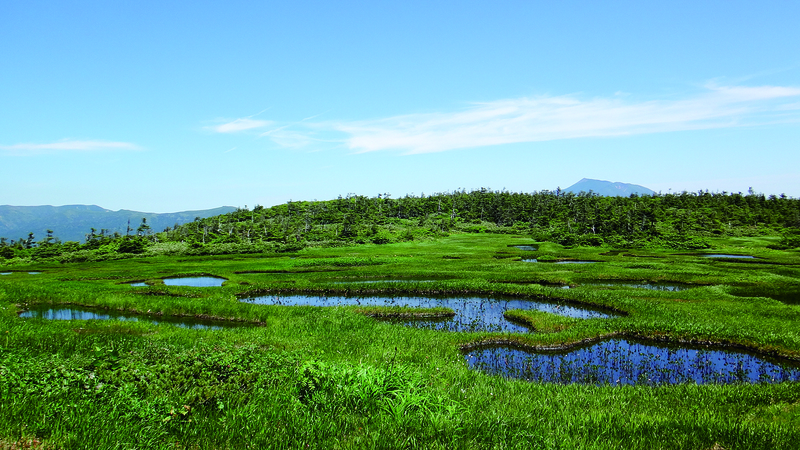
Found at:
[342, 377]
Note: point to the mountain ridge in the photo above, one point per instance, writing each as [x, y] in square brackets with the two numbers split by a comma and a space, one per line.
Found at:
[73, 222]
[608, 188]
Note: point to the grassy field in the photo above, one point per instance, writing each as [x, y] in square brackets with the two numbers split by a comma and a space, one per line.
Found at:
[314, 377]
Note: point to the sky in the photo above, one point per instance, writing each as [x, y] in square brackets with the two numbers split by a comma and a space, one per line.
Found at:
[188, 105]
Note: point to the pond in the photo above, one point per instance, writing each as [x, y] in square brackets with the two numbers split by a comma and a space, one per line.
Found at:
[139, 284]
[621, 361]
[471, 313]
[641, 285]
[721, 255]
[789, 294]
[571, 261]
[195, 281]
[72, 313]
[382, 281]
[527, 248]
[6, 273]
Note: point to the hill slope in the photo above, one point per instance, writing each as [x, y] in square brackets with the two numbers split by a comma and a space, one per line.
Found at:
[73, 222]
[608, 189]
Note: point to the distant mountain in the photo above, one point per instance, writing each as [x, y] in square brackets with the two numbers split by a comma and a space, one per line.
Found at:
[608, 189]
[73, 222]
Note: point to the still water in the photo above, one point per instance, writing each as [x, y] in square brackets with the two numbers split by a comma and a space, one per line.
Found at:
[50, 313]
[472, 313]
[621, 361]
[195, 281]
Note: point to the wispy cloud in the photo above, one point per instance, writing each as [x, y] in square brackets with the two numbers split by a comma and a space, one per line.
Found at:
[241, 125]
[545, 118]
[564, 117]
[69, 145]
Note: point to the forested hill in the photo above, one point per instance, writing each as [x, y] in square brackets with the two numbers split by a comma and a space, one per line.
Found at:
[567, 218]
[74, 222]
[679, 221]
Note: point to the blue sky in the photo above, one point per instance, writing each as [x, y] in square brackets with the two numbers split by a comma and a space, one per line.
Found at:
[170, 106]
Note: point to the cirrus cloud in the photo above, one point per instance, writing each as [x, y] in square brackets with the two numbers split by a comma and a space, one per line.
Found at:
[535, 119]
[240, 125]
[568, 117]
[69, 145]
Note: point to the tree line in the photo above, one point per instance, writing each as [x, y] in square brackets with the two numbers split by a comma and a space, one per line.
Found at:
[676, 220]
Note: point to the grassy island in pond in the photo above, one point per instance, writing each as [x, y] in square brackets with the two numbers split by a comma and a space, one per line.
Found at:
[376, 364]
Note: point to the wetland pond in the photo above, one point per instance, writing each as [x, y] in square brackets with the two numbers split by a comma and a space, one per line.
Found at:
[471, 313]
[195, 281]
[72, 313]
[789, 295]
[720, 255]
[381, 281]
[570, 261]
[639, 285]
[621, 361]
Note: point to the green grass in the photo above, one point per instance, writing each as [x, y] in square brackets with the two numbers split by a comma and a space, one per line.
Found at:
[332, 377]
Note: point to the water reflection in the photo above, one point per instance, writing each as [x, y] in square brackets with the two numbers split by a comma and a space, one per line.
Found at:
[571, 261]
[195, 281]
[46, 312]
[621, 361]
[720, 255]
[383, 281]
[471, 313]
[782, 293]
[650, 286]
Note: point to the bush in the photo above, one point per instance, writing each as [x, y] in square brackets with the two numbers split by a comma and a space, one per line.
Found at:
[384, 237]
[592, 240]
[6, 252]
[791, 239]
[681, 242]
[168, 248]
[134, 245]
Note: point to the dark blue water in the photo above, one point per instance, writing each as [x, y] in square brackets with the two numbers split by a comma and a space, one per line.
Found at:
[472, 313]
[195, 281]
[650, 286]
[383, 281]
[728, 256]
[564, 262]
[620, 361]
[46, 312]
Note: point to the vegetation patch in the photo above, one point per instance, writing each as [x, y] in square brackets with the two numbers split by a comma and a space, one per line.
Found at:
[342, 262]
[541, 321]
[399, 312]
